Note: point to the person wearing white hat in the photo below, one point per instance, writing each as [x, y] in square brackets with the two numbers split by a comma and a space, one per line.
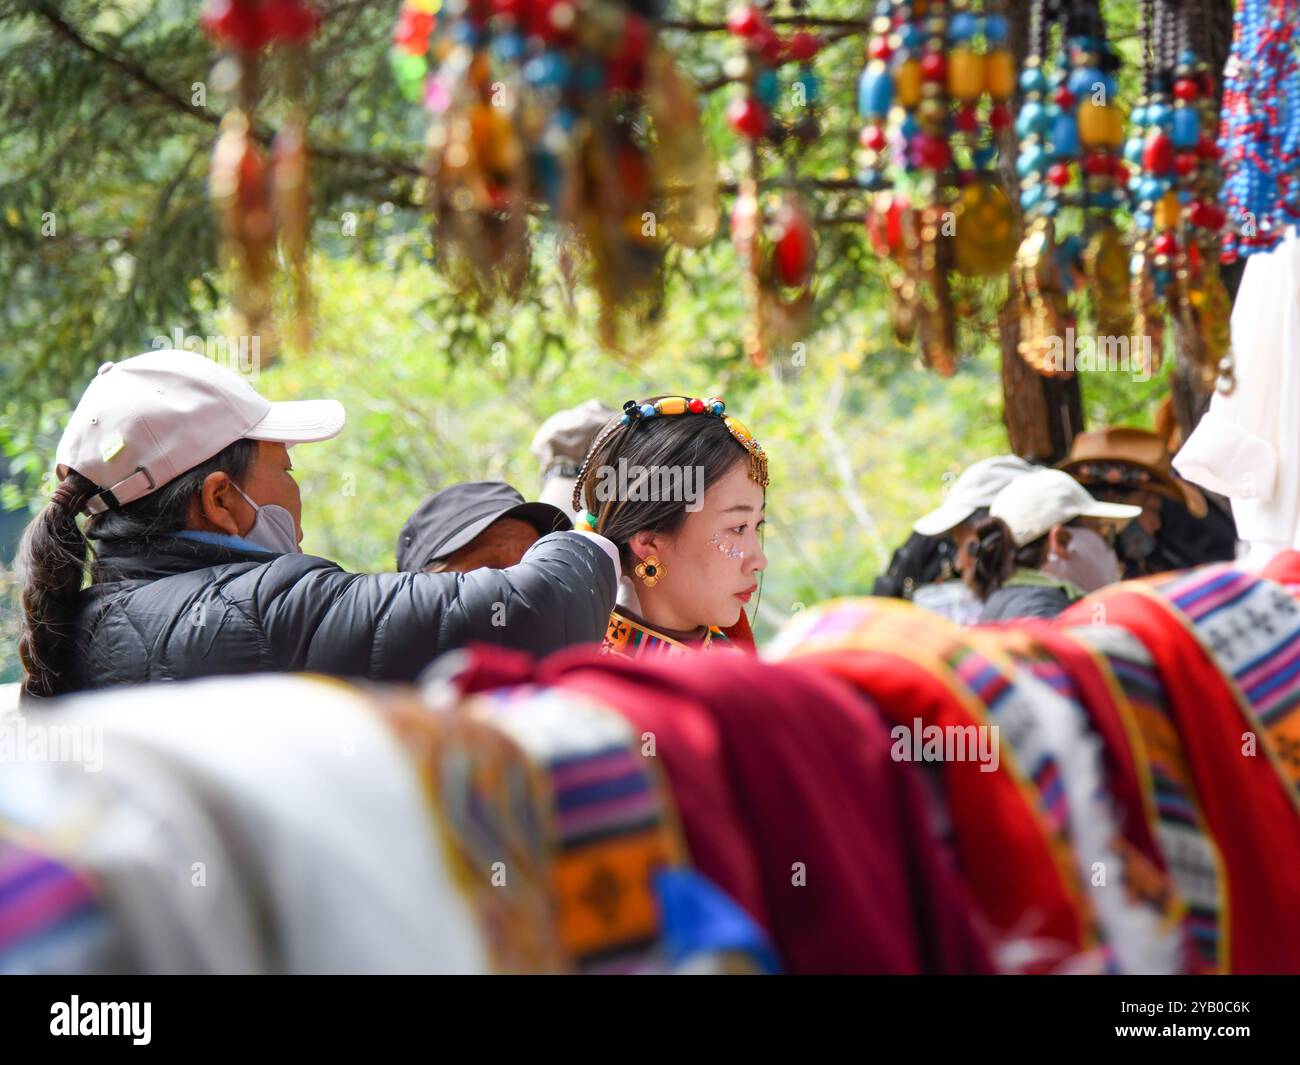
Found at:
[949, 528]
[1045, 543]
[973, 491]
[193, 519]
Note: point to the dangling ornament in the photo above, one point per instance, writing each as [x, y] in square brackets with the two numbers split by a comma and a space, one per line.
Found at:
[681, 158]
[256, 201]
[567, 105]
[1071, 170]
[775, 110]
[984, 229]
[1175, 185]
[933, 96]
[1045, 315]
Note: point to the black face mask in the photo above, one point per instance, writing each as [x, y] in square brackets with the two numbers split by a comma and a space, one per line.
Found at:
[1135, 544]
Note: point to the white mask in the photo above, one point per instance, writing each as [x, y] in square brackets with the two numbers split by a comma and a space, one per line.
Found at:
[273, 528]
[1091, 564]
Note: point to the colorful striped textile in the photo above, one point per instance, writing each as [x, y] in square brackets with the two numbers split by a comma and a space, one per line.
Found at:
[564, 836]
[633, 639]
[917, 667]
[50, 920]
[1078, 674]
[1238, 626]
[789, 802]
[1187, 850]
[1251, 627]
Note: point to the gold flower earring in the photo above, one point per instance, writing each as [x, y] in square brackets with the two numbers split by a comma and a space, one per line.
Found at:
[650, 570]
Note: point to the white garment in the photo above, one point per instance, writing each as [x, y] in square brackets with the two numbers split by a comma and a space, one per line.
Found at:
[260, 824]
[1247, 447]
[950, 599]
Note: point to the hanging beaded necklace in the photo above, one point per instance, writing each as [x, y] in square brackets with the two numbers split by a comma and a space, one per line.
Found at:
[1259, 133]
[1071, 129]
[773, 231]
[1174, 188]
[927, 154]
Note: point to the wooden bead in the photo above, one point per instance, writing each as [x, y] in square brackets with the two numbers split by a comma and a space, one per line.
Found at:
[1100, 125]
[1000, 74]
[965, 74]
[907, 83]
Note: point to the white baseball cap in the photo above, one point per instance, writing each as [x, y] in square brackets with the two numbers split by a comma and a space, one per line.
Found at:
[1032, 504]
[978, 484]
[146, 420]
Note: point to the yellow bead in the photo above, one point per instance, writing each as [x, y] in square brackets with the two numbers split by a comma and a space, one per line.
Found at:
[1092, 124]
[1167, 211]
[965, 74]
[1000, 74]
[1114, 127]
[672, 405]
[1100, 125]
[907, 83]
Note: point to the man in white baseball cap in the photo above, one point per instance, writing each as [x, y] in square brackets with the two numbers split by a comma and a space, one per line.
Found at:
[940, 537]
[974, 490]
[1047, 543]
[194, 521]
[1034, 505]
[145, 421]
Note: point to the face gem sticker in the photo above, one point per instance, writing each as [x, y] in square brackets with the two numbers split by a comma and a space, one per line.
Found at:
[727, 549]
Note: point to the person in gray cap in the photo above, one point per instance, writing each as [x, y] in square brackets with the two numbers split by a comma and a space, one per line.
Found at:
[560, 444]
[474, 525]
[191, 532]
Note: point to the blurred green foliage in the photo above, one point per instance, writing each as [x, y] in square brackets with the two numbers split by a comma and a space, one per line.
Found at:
[95, 132]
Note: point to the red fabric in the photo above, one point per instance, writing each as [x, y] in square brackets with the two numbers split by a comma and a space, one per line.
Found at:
[741, 634]
[1123, 783]
[1246, 804]
[1284, 568]
[776, 765]
[1004, 849]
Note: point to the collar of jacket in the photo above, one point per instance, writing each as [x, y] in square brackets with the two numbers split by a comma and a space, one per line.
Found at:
[1023, 577]
[162, 556]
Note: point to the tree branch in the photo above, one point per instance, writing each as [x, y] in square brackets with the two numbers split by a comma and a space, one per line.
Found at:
[391, 167]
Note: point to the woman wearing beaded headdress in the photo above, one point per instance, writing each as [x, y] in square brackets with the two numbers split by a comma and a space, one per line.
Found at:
[679, 487]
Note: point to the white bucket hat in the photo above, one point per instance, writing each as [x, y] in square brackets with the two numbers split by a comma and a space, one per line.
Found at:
[977, 486]
[1032, 504]
[146, 420]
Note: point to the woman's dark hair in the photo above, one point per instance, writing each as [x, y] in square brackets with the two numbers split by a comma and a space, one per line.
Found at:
[54, 552]
[674, 442]
[996, 556]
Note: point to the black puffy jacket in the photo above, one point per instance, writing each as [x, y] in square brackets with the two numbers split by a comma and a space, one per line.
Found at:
[188, 608]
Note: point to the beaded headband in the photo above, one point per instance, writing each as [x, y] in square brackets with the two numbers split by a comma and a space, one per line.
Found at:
[670, 406]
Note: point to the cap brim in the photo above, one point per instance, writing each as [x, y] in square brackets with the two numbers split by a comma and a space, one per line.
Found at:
[1115, 511]
[542, 516]
[300, 421]
[942, 518]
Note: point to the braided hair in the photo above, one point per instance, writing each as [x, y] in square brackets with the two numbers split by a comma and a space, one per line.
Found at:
[54, 552]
